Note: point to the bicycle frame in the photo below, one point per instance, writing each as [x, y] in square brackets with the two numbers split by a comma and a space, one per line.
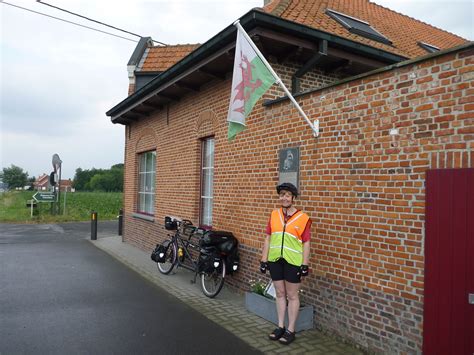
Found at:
[185, 243]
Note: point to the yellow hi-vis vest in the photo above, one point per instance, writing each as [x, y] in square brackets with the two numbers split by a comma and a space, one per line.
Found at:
[285, 240]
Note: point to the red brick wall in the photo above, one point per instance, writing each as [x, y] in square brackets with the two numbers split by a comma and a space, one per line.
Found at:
[363, 188]
[312, 79]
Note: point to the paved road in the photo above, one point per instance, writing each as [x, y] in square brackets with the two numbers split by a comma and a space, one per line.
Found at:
[60, 294]
[29, 233]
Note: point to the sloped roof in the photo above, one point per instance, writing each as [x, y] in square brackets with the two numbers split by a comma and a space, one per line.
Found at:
[283, 26]
[42, 177]
[162, 58]
[403, 31]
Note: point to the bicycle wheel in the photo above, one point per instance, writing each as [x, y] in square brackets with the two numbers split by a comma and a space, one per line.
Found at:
[212, 282]
[170, 259]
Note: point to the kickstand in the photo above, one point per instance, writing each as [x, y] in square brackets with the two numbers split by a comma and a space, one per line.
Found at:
[193, 281]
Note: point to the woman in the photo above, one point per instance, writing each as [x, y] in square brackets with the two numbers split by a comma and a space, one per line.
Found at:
[286, 254]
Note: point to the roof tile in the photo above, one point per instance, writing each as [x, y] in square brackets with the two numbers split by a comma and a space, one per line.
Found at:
[162, 58]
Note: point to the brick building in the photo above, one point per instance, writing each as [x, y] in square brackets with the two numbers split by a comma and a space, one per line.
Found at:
[42, 182]
[392, 106]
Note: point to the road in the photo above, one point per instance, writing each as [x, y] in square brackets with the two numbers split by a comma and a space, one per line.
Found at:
[60, 294]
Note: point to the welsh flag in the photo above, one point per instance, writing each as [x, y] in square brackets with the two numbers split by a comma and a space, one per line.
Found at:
[250, 80]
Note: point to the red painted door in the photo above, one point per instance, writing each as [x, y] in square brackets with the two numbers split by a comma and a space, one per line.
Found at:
[448, 325]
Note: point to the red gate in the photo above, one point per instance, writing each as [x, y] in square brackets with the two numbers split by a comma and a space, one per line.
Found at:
[449, 262]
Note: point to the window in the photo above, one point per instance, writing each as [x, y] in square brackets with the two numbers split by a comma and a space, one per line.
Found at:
[428, 47]
[358, 27]
[146, 183]
[207, 181]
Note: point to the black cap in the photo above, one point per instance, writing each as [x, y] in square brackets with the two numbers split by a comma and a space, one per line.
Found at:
[287, 186]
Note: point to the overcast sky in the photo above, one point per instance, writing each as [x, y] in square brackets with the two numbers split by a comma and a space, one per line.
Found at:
[58, 80]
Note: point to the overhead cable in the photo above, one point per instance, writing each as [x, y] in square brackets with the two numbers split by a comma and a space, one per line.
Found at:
[73, 23]
[89, 19]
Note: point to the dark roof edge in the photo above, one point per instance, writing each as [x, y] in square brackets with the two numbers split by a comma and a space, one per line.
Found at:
[137, 54]
[251, 19]
[376, 71]
[147, 73]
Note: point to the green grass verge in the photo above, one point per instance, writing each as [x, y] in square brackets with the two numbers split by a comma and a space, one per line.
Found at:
[78, 207]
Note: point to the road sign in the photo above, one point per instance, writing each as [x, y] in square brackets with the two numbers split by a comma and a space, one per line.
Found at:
[45, 196]
[56, 162]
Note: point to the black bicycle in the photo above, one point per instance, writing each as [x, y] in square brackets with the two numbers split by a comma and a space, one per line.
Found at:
[209, 254]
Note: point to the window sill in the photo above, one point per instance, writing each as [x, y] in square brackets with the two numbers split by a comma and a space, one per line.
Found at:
[143, 216]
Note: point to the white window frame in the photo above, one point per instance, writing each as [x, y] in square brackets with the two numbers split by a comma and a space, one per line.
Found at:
[146, 183]
[207, 182]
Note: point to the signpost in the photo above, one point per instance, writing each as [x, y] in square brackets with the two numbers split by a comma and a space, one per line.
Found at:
[45, 196]
[52, 196]
[57, 162]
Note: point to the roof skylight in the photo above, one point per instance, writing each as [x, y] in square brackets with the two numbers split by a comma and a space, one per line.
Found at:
[358, 27]
[428, 47]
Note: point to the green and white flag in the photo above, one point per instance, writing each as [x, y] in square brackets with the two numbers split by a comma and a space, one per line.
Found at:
[250, 80]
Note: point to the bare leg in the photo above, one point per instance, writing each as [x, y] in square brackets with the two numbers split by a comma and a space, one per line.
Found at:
[280, 301]
[293, 303]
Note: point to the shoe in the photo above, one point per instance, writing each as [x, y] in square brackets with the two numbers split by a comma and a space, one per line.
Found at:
[287, 338]
[277, 333]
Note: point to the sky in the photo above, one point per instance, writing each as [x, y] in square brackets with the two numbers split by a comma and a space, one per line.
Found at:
[57, 80]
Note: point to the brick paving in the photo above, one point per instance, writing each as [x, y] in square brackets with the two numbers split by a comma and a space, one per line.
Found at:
[227, 309]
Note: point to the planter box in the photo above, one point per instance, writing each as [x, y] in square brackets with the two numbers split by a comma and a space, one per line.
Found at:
[266, 308]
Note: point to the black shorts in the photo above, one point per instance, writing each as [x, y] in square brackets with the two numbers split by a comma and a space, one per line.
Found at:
[282, 270]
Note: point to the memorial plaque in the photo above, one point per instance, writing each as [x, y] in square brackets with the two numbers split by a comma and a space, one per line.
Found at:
[289, 166]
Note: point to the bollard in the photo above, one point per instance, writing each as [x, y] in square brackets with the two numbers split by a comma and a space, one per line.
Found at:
[120, 222]
[94, 225]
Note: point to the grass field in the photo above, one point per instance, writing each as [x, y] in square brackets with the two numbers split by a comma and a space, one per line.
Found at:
[78, 207]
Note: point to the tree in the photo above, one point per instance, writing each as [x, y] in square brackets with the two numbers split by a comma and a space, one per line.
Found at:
[99, 179]
[83, 177]
[31, 183]
[14, 176]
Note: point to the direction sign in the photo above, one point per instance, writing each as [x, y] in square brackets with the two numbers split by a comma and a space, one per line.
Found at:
[45, 196]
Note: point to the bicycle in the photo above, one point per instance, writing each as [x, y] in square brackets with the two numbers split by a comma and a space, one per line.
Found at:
[211, 255]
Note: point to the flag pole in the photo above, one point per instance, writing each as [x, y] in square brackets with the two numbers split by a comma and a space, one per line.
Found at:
[278, 80]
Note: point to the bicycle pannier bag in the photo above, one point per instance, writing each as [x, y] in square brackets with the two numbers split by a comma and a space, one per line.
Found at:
[232, 262]
[206, 259]
[170, 224]
[225, 241]
[159, 254]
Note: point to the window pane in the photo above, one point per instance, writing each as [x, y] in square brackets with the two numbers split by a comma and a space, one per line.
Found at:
[149, 161]
[205, 156]
[141, 205]
[211, 152]
[206, 191]
[208, 153]
[210, 182]
[209, 211]
[153, 161]
[152, 182]
[148, 203]
[148, 182]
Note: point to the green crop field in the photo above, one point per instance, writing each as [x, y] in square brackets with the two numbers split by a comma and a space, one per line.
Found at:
[78, 207]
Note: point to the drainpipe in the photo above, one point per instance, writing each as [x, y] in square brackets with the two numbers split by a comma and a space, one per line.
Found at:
[310, 64]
